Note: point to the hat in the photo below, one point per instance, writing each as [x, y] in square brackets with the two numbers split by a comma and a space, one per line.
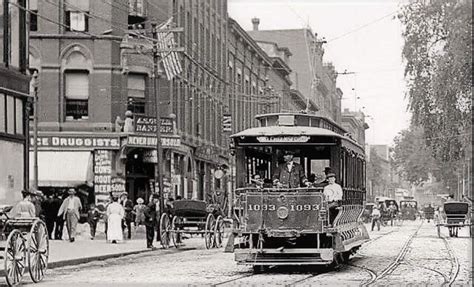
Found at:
[124, 193]
[288, 152]
[71, 191]
[128, 114]
[140, 200]
[327, 170]
[331, 174]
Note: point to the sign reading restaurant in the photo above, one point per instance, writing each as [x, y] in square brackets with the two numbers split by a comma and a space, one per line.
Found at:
[76, 141]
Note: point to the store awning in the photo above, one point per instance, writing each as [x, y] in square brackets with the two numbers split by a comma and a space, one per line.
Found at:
[62, 168]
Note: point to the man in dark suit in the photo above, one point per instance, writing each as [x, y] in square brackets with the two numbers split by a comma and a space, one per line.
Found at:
[127, 219]
[151, 220]
[289, 174]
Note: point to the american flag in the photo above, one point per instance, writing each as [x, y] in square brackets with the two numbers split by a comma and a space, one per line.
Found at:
[171, 61]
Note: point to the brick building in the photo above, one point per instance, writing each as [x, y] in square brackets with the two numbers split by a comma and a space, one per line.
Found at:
[315, 79]
[354, 123]
[95, 63]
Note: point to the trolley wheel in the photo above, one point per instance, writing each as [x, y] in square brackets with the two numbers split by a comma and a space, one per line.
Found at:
[219, 231]
[38, 250]
[209, 235]
[174, 233]
[15, 257]
[165, 227]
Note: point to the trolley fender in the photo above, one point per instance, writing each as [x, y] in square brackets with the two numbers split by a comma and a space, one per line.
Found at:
[229, 248]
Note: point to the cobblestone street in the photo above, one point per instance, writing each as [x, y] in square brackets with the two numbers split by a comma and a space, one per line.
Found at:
[410, 254]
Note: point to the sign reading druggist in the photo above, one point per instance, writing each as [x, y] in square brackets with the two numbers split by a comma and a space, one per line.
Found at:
[102, 175]
[76, 141]
[147, 125]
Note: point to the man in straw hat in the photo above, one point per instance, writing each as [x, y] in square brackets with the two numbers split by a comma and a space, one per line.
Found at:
[70, 210]
[333, 194]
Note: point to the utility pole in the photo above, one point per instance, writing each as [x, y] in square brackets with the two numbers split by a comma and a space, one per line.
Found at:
[159, 150]
[35, 131]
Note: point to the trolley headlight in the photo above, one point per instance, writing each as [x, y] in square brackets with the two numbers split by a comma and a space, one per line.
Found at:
[282, 212]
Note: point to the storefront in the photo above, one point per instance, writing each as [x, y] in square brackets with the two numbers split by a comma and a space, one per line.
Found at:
[84, 160]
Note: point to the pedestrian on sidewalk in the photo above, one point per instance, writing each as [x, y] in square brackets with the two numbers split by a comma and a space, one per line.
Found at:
[59, 221]
[127, 205]
[70, 210]
[115, 214]
[151, 220]
[49, 214]
[139, 212]
[375, 218]
[93, 215]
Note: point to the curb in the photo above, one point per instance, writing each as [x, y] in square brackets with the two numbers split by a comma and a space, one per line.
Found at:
[76, 261]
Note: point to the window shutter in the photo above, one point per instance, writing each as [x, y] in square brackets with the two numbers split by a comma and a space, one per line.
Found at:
[136, 86]
[77, 5]
[33, 5]
[77, 86]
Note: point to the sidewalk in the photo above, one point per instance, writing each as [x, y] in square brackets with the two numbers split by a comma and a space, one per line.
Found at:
[83, 250]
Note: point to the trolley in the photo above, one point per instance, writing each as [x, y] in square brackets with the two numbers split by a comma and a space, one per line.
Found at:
[24, 245]
[409, 209]
[296, 225]
[192, 217]
[456, 216]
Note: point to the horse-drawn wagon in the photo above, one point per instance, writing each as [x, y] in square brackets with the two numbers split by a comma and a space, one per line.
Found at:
[24, 245]
[192, 217]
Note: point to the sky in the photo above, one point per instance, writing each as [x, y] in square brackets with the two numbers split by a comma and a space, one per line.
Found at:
[363, 37]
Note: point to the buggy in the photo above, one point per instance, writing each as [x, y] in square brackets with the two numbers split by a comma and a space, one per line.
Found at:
[457, 215]
[24, 243]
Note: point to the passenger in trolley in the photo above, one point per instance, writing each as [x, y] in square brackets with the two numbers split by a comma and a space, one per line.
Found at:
[333, 194]
[289, 174]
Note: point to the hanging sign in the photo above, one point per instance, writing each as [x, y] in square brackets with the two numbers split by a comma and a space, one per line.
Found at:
[227, 123]
[147, 125]
[102, 175]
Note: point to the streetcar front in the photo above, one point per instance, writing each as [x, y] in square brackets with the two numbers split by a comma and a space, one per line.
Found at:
[283, 218]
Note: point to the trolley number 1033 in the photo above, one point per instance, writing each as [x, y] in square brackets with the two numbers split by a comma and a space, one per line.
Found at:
[291, 207]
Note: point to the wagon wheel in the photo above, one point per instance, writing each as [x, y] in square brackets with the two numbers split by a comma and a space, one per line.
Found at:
[209, 235]
[219, 231]
[165, 227]
[175, 228]
[38, 251]
[15, 257]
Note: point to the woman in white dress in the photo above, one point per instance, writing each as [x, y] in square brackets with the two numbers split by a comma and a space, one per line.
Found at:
[115, 213]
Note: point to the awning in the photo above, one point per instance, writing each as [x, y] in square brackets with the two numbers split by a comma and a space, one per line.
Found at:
[62, 168]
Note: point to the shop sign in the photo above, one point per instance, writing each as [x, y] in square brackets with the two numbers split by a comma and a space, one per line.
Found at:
[150, 141]
[102, 174]
[226, 123]
[147, 125]
[118, 185]
[207, 152]
[76, 141]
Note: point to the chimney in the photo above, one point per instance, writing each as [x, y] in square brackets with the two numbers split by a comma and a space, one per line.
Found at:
[255, 22]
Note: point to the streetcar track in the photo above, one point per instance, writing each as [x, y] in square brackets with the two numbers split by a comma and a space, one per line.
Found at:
[446, 279]
[454, 259]
[390, 268]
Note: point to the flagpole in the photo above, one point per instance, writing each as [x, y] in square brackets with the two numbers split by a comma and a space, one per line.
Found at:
[159, 152]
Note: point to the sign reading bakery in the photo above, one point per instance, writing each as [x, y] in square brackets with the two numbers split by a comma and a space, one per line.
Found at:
[76, 141]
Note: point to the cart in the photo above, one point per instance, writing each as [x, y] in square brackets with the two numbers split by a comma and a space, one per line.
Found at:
[192, 217]
[24, 243]
[456, 217]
